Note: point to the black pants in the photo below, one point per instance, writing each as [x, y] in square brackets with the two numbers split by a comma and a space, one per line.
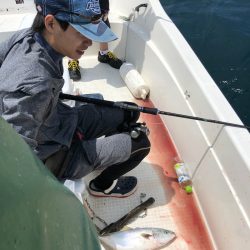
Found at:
[104, 5]
[116, 152]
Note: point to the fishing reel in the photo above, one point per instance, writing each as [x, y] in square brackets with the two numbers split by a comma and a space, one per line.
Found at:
[137, 128]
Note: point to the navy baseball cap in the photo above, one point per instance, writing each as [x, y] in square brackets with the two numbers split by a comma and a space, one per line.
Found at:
[82, 15]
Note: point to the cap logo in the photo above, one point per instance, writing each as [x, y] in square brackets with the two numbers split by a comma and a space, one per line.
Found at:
[94, 6]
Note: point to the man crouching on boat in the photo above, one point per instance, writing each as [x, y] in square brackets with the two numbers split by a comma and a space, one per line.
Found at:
[65, 138]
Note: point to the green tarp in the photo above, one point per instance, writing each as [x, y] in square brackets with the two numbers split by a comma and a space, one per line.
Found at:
[36, 211]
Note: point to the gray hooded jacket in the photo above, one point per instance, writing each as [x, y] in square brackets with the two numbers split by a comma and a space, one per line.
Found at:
[30, 83]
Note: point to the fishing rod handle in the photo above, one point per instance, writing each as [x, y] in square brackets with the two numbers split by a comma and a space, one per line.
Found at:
[121, 105]
[131, 107]
[85, 99]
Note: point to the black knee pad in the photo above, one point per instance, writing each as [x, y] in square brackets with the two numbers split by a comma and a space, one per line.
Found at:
[140, 145]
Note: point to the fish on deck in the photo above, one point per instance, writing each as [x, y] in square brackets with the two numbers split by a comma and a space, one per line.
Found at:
[138, 238]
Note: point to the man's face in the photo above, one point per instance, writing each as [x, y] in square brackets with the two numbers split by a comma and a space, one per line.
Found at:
[68, 42]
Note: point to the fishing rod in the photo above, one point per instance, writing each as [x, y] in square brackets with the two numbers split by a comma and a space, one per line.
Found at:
[152, 111]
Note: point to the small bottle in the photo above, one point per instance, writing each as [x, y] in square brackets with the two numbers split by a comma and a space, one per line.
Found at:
[183, 177]
[134, 81]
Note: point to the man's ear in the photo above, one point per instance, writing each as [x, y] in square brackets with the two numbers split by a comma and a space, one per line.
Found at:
[49, 22]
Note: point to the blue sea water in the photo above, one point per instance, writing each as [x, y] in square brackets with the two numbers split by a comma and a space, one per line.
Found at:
[219, 33]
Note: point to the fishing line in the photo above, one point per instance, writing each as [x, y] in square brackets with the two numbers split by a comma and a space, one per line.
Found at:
[152, 111]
